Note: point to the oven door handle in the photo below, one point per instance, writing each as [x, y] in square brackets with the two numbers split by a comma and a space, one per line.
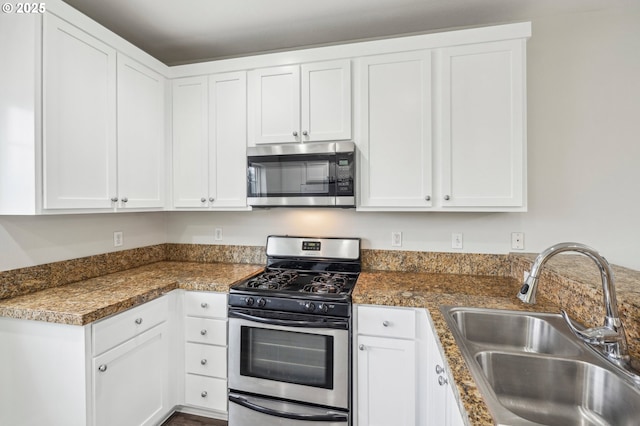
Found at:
[328, 417]
[340, 324]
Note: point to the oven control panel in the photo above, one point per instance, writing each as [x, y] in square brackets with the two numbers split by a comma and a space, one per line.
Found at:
[288, 304]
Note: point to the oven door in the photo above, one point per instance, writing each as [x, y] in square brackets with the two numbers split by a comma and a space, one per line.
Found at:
[297, 357]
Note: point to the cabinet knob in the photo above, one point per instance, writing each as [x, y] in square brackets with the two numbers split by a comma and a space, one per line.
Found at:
[203, 200]
[204, 305]
[439, 369]
[114, 199]
[138, 321]
[295, 133]
[428, 198]
[305, 133]
[211, 199]
[203, 332]
[442, 381]
[446, 197]
[125, 199]
[385, 323]
[102, 368]
[203, 361]
[361, 347]
[203, 394]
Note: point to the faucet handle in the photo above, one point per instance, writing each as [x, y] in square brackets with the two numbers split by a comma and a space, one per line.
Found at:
[595, 336]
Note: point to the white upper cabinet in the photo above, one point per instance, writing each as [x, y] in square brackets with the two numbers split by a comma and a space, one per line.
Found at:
[209, 142]
[79, 118]
[141, 141]
[482, 127]
[190, 142]
[394, 118]
[103, 125]
[306, 103]
[228, 140]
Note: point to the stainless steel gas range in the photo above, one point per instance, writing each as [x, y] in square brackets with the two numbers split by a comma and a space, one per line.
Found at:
[290, 335]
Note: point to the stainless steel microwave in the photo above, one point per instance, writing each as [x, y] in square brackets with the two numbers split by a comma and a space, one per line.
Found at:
[301, 175]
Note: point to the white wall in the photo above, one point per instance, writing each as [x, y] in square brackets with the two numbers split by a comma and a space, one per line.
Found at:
[34, 240]
[584, 171]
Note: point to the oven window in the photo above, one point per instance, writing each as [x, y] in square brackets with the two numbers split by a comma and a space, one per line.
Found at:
[287, 356]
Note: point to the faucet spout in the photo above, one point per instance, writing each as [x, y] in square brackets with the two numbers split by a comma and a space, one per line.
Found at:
[611, 336]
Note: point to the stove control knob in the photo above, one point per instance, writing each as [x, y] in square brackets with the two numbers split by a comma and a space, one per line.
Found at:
[323, 307]
[248, 301]
[261, 302]
[309, 306]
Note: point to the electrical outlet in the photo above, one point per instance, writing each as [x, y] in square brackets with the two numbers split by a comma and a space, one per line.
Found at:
[217, 235]
[396, 239]
[517, 240]
[456, 240]
[118, 238]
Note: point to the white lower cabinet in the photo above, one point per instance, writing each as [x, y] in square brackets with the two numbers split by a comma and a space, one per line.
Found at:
[131, 379]
[441, 403]
[396, 382]
[205, 356]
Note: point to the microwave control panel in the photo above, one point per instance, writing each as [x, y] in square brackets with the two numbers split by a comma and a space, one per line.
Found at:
[344, 173]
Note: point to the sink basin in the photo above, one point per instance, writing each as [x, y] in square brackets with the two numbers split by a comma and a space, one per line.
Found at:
[514, 331]
[532, 370]
[562, 392]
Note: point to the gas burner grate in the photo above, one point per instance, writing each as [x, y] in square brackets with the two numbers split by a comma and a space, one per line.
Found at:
[273, 280]
[326, 283]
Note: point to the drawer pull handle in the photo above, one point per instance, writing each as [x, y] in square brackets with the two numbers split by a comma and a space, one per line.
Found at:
[203, 361]
[439, 369]
[138, 321]
[102, 368]
[204, 305]
[442, 381]
[203, 394]
[361, 347]
[203, 332]
[385, 323]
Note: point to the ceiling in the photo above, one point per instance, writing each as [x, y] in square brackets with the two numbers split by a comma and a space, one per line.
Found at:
[186, 31]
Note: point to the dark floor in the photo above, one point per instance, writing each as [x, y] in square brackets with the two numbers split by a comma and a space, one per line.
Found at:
[183, 419]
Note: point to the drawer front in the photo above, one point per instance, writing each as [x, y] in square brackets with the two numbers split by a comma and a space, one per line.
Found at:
[206, 360]
[387, 322]
[116, 330]
[205, 330]
[203, 304]
[206, 392]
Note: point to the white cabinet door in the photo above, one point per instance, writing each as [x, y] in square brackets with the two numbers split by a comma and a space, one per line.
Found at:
[190, 142]
[79, 123]
[386, 381]
[326, 101]
[140, 135]
[275, 94]
[483, 125]
[131, 381]
[228, 140]
[442, 407]
[395, 131]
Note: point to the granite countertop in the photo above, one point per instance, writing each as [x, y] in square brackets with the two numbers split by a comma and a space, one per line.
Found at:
[431, 291]
[89, 300]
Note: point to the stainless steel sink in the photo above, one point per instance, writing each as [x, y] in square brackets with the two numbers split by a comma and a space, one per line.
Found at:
[522, 332]
[532, 370]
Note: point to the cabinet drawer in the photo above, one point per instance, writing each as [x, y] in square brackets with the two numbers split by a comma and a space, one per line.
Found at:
[203, 304]
[115, 330]
[205, 330]
[388, 322]
[206, 360]
[206, 392]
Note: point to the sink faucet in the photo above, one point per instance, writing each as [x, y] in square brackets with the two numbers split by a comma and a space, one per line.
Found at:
[610, 337]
